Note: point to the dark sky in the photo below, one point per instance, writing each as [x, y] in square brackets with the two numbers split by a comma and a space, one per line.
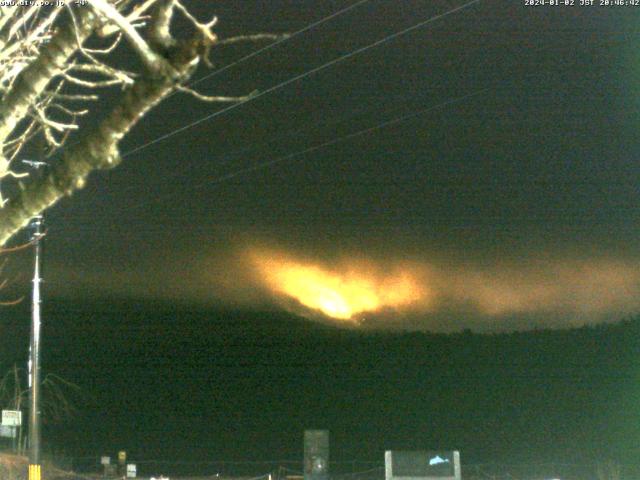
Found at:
[512, 207]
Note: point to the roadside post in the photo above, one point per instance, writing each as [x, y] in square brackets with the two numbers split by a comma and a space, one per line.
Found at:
[122, 461]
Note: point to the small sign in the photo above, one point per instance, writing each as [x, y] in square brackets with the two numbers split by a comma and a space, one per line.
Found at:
[122, 457]
[422, 465]
[7, 432]
[11, 418]
[104, 460]
[131, 470]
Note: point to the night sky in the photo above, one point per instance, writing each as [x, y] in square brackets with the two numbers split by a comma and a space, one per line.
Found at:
[512, 202]
[507, 197]
[505, 200]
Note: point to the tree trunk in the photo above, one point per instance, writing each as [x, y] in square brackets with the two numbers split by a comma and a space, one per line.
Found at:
[99, 148]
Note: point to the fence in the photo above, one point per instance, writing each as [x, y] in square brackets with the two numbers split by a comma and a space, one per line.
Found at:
[368, 470]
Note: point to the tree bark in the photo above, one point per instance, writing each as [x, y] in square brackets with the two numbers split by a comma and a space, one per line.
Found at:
[33, 80]
[99, 148]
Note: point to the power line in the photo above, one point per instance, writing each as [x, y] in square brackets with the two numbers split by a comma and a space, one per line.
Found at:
[316, 123]
[302, 75]
[282, 40]
[284, 158]
[255, 53]
[290, 156]
[349, 136]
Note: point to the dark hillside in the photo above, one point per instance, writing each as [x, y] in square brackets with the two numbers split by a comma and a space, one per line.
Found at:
[176, 382]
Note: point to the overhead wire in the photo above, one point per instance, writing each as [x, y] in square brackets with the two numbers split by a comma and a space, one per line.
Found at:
[328, 143]
[282, 40]
[284, 158]
[255, 53]
[290, 156]
[301, 76]
[256, 167]
[320, 122]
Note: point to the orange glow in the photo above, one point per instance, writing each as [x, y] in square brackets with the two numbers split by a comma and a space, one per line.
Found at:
[340, 293]
[371, 291]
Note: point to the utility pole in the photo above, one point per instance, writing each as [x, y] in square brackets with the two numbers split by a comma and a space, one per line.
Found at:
[35, 465]
[34, 354]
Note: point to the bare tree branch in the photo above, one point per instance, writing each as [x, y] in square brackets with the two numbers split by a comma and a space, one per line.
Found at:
[256, 37]
[97, 150]
[207, 98]
[33, 80]
[32, 36]
[49, 61]
[151, 59]
[137, 14]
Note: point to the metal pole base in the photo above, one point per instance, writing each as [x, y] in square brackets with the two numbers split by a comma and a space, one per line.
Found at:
[35, 472]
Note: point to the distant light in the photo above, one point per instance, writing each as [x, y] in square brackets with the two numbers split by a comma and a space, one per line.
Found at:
[343, 291]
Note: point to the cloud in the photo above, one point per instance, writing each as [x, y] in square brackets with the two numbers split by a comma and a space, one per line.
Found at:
[351, 289]
[591, 287]
[382, 287]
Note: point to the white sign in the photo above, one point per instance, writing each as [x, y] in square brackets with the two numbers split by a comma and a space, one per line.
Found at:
[7, 432]
[131, 470]
[105, 460]
[11, 418]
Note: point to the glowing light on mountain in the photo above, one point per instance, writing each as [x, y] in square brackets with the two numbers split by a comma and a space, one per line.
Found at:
[378, 291]
[342, 292]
